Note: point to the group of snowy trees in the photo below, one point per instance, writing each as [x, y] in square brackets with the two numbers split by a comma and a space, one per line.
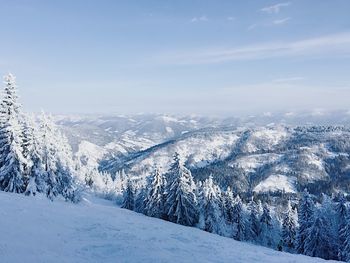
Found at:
[318, 229]
[324, 228]
[35, 157]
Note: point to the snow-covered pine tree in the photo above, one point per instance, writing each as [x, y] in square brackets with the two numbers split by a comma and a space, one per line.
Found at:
[327, 210]
[228, 200]
[345, 255]
[266, 227]
[89, 179]
[109, 188]
[57, 161]
[12, 161]
[181, 202]
[289, 228]
[141, 200]
[254, 222]
[211, 216]
[318, 241]
[33, 153]
[342, 215]
[155, 199]
[305, 220]
[239, 220]
[128, 196]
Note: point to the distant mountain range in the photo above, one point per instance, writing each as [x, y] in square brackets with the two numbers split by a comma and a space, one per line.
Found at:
[283, 152]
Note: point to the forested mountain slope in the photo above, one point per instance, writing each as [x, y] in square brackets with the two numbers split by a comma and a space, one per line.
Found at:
[273, 158]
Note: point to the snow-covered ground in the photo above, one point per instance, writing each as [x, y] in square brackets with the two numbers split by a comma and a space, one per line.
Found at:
[38, 230]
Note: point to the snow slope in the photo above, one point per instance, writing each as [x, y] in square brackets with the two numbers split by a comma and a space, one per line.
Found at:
[37, 230]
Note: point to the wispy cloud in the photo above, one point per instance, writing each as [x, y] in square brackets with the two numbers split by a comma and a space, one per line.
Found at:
[324, 45]
[274, 9]
[202, 18]
[231, 18]
[288, 79]
[276, 22]
[281, 21]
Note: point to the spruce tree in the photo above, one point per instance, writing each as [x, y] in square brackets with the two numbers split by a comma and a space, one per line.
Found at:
[228, 200]
[12, 161]
[266, 227]
[318, 241]
[128, 196]
[239, 221]
[141, 200]
[342, 215]
[57, 161]
[211, 215]
[33, 153]
[305, 220]
[254, 222]
[289, 228]
[345, 255]
[155, 199]
[180, 205]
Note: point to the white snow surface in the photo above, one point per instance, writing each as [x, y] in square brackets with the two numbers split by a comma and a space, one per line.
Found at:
[251, 162]
[276, 182]
[35, 229]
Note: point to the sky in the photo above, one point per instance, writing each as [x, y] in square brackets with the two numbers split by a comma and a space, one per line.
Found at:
[219, 57]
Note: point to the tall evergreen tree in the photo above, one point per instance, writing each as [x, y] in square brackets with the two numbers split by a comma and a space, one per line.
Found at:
[180, 205]
[33, 153]
[211, 216]
[128, 196]
[305, 220]
[254, 222]
[289, 228]
[266, 227]
[345, 254]
[342, 215]
[155, 200]
[318, 241]
[57, 161]
[239, 221]
[228, 201]
[12, 161]
[141, 200]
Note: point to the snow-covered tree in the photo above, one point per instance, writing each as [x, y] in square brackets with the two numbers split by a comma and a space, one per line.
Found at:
[239, 220]
[342, 216]
[12, 161]
[318, 241]
[108, 187]
[141, 200]
[155, 199]
[266, 227]
[327, 210]
[57, 161]
[180, 205]
[289, 228]
[305, 220]
[345, 253]
[228, 204]
[33, 154]
[211, 215]
[254, 222]
[129, 197]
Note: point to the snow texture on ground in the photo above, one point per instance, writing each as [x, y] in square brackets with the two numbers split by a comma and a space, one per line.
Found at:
[38, 230]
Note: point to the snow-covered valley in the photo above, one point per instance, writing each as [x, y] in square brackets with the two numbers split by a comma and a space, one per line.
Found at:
[35, 229]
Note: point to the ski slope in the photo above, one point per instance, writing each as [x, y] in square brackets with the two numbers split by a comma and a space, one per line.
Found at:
[38, 230]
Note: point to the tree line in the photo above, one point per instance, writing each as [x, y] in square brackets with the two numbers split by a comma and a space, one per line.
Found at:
[305, 226]
[35, 156]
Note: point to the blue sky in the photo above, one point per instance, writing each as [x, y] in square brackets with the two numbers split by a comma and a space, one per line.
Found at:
[185, 56]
